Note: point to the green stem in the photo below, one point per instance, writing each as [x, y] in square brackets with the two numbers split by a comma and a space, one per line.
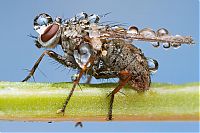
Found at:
[40, 101]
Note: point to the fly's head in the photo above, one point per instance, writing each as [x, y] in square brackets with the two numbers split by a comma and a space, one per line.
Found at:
[49, 31]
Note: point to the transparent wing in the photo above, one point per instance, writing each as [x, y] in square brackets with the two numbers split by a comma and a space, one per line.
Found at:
[161, 36]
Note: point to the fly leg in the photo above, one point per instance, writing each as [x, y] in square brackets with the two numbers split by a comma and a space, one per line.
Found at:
[124, 77]
[51, 54]
[75, 83]
[89, 78]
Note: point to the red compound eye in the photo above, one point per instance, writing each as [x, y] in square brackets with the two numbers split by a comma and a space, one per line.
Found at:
[49, 32]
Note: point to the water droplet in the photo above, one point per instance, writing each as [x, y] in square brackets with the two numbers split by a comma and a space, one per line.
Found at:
[153, 65]
[73, 19]
[41, 22]
[155, 44]
[166, 45]
[93, 18]
[133, 30]
[58, 20]
[83, 54]
[147, 32]
[81, 16]
[74, 77]
[176, 45]
[162, 32]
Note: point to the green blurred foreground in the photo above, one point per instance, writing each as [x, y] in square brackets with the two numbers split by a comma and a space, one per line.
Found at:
[40, 101]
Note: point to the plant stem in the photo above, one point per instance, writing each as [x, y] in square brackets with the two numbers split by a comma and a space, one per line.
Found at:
[40, 101]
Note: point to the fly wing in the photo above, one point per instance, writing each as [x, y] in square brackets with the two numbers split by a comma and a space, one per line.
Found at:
[161, 36]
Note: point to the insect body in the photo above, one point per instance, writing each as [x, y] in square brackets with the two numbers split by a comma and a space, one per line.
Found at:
[102, 51]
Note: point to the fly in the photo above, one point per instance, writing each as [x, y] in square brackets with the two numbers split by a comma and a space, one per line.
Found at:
[102, 51]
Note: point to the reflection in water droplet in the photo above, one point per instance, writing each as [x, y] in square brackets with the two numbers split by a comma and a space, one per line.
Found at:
[155, 44]
[41, 22]
[58, 20]
[147, 32]
[81, 16]
[93, 18]
[133, 30]
[74, 77]
[153, 65]
[83, 54]
[166, 45]
[162, 32]
[176, 45]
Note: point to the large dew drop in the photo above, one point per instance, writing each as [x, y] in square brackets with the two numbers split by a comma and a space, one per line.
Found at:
[133, 30]
[153, 65]
[41, 22]
[147, 32]
[162, 32]
[83, 54]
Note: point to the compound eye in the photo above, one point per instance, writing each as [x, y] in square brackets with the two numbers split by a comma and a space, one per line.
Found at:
[41, 22]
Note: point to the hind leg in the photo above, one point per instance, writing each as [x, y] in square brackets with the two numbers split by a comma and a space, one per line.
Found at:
[124, 77]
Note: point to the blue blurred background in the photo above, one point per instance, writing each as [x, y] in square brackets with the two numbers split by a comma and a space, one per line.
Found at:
[179, 66]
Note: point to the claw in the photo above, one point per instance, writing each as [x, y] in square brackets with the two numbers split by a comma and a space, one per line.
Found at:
[109, 118]
[60, 111]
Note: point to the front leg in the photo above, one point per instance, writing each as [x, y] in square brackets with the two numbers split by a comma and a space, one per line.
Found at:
[75, 83]
[52, 54]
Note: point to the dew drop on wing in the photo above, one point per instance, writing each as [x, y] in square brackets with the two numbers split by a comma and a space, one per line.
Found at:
[133, 30]
[155, 44]
[147, 32]
[41, 22]
[166, 45]
[176, 45]
[162, 32]
[151, 65]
